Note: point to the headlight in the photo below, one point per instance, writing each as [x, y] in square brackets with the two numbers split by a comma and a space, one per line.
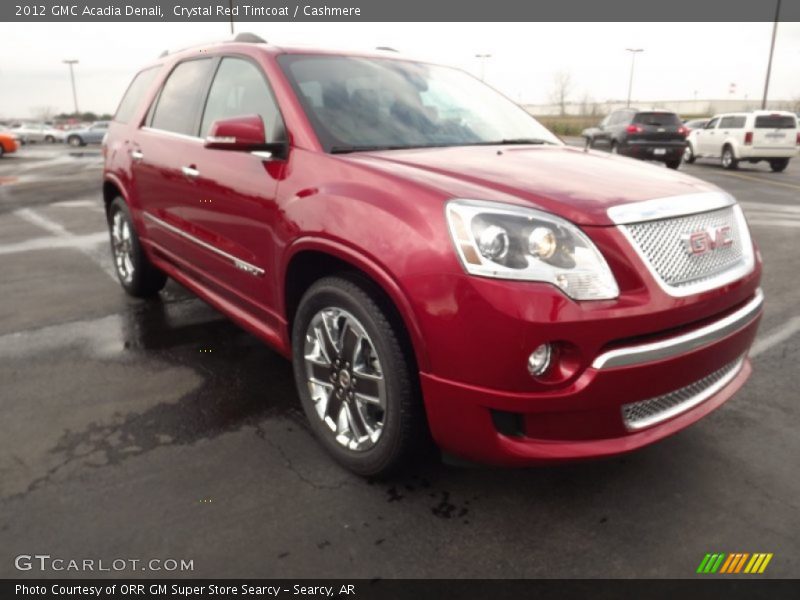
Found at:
[504, 241]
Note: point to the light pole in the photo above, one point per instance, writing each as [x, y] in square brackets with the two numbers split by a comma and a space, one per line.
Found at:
[72, 78]
[634, 52]
[483, 58]
[771, 50]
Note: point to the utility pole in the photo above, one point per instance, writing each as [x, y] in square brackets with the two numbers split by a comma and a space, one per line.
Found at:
[483, 58]
[72, 62]
[771, 51]
[634, 52]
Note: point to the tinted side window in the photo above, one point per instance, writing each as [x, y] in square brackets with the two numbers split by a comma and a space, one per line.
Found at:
[712, 123]
[775, 122]
[240, 89]
[133, 95]
[181, 97]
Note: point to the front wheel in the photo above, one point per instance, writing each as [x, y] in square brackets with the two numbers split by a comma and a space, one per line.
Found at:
[49, 139]
[356, 382]
[688, 154]
[614, 148]
[74, 141]
[779, 164]
[728, 159]
[2, 150]
[136, 273]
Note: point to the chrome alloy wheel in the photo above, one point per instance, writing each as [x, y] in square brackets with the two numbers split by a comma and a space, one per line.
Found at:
[727, 158]
[687, 153]
[122, 245]
[345, 378]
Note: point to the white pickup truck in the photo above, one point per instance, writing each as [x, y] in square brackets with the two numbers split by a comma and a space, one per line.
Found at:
[752, 136]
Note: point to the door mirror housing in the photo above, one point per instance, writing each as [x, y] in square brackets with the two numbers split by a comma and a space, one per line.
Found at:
[245, 133]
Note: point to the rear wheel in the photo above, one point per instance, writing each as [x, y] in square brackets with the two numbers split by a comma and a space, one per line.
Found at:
[2, 150]
[49, 139]
[356, 383]
[136, 273]
[589, 143]
[614, 148]
[779, 164]
[674, 164]
[75, 141]
[729, 159]
[688, 154]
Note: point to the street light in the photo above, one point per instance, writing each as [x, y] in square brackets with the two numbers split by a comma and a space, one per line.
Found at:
[72, 78]
[634, 52]
[771, 50]
[483, 58]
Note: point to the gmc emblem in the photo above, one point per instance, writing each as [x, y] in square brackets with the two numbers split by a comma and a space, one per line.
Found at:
[707, 240]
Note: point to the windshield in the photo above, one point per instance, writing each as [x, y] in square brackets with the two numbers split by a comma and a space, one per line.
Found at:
[357, 103]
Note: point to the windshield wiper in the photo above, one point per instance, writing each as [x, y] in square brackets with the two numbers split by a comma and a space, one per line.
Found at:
[514, 141]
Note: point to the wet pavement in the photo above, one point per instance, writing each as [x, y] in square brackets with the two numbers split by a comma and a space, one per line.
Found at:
[158, 429]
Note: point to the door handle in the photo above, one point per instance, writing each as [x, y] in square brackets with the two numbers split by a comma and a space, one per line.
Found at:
[190, 172]
[137, 155]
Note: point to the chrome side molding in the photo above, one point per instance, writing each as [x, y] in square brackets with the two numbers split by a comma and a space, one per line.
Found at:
[634, 355]
[237, 262]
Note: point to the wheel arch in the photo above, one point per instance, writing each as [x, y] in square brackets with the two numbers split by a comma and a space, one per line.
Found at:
[310, 259]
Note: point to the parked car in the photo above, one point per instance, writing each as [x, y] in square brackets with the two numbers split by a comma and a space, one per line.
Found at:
[9, 143]
[93, 134]
[693, 124]
[771, 136]
[434, 261]
[649, 134]
[39, 132]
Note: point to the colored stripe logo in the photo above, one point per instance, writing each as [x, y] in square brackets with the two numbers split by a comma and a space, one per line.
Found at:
[737, 562]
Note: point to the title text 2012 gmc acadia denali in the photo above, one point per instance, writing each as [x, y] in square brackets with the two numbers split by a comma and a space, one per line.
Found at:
[434, 261]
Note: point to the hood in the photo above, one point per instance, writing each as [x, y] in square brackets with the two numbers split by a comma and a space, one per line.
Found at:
[577, 185]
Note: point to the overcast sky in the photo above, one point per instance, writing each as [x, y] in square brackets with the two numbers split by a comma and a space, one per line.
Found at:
[679, 61]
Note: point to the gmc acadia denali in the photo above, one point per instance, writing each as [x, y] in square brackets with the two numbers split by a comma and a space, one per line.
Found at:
[434, 262]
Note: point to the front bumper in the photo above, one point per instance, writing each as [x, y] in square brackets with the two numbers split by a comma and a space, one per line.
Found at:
[676, 379]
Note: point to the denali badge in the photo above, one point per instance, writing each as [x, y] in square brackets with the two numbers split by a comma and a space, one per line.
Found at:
[706, 240]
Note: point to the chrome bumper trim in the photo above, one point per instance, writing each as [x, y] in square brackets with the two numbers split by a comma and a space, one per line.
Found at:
[237, 262]
[633, 355]
[646, 413]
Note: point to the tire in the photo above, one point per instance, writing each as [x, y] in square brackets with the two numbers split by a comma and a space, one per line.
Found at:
[321, 347]
[729, 159]
[673, 164]
[2, 151]
[614, 148]
[136, 274]
[75, 141]
[779, 164]
[688, 154]
[49, 139]
[589, 143]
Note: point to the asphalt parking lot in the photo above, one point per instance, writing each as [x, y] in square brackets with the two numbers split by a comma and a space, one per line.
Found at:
[159, 429]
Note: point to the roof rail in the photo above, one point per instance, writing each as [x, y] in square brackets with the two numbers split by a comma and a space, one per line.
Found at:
[249, 38]
[386, 48]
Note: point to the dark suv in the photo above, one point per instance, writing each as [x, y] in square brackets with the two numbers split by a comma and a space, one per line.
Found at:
[651, 135]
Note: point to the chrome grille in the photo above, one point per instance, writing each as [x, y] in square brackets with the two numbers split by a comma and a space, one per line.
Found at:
[646, 413]
[662, 244]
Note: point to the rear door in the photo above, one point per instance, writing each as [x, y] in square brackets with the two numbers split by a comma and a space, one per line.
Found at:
[162, 153]
[775, 132]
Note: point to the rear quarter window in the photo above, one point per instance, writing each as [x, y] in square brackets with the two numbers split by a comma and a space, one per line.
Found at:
[134, 94]
[732, 122]
[776, 122]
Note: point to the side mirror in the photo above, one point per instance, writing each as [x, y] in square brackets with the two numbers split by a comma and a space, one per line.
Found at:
[237, 133]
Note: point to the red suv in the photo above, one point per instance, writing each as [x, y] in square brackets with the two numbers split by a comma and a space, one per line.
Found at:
[432, 260]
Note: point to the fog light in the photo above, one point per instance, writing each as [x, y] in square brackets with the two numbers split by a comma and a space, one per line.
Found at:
[539, 360]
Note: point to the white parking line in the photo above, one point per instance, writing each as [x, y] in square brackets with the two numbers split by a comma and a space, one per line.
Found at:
[775, 337]
[67, 239]
[50, 242]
